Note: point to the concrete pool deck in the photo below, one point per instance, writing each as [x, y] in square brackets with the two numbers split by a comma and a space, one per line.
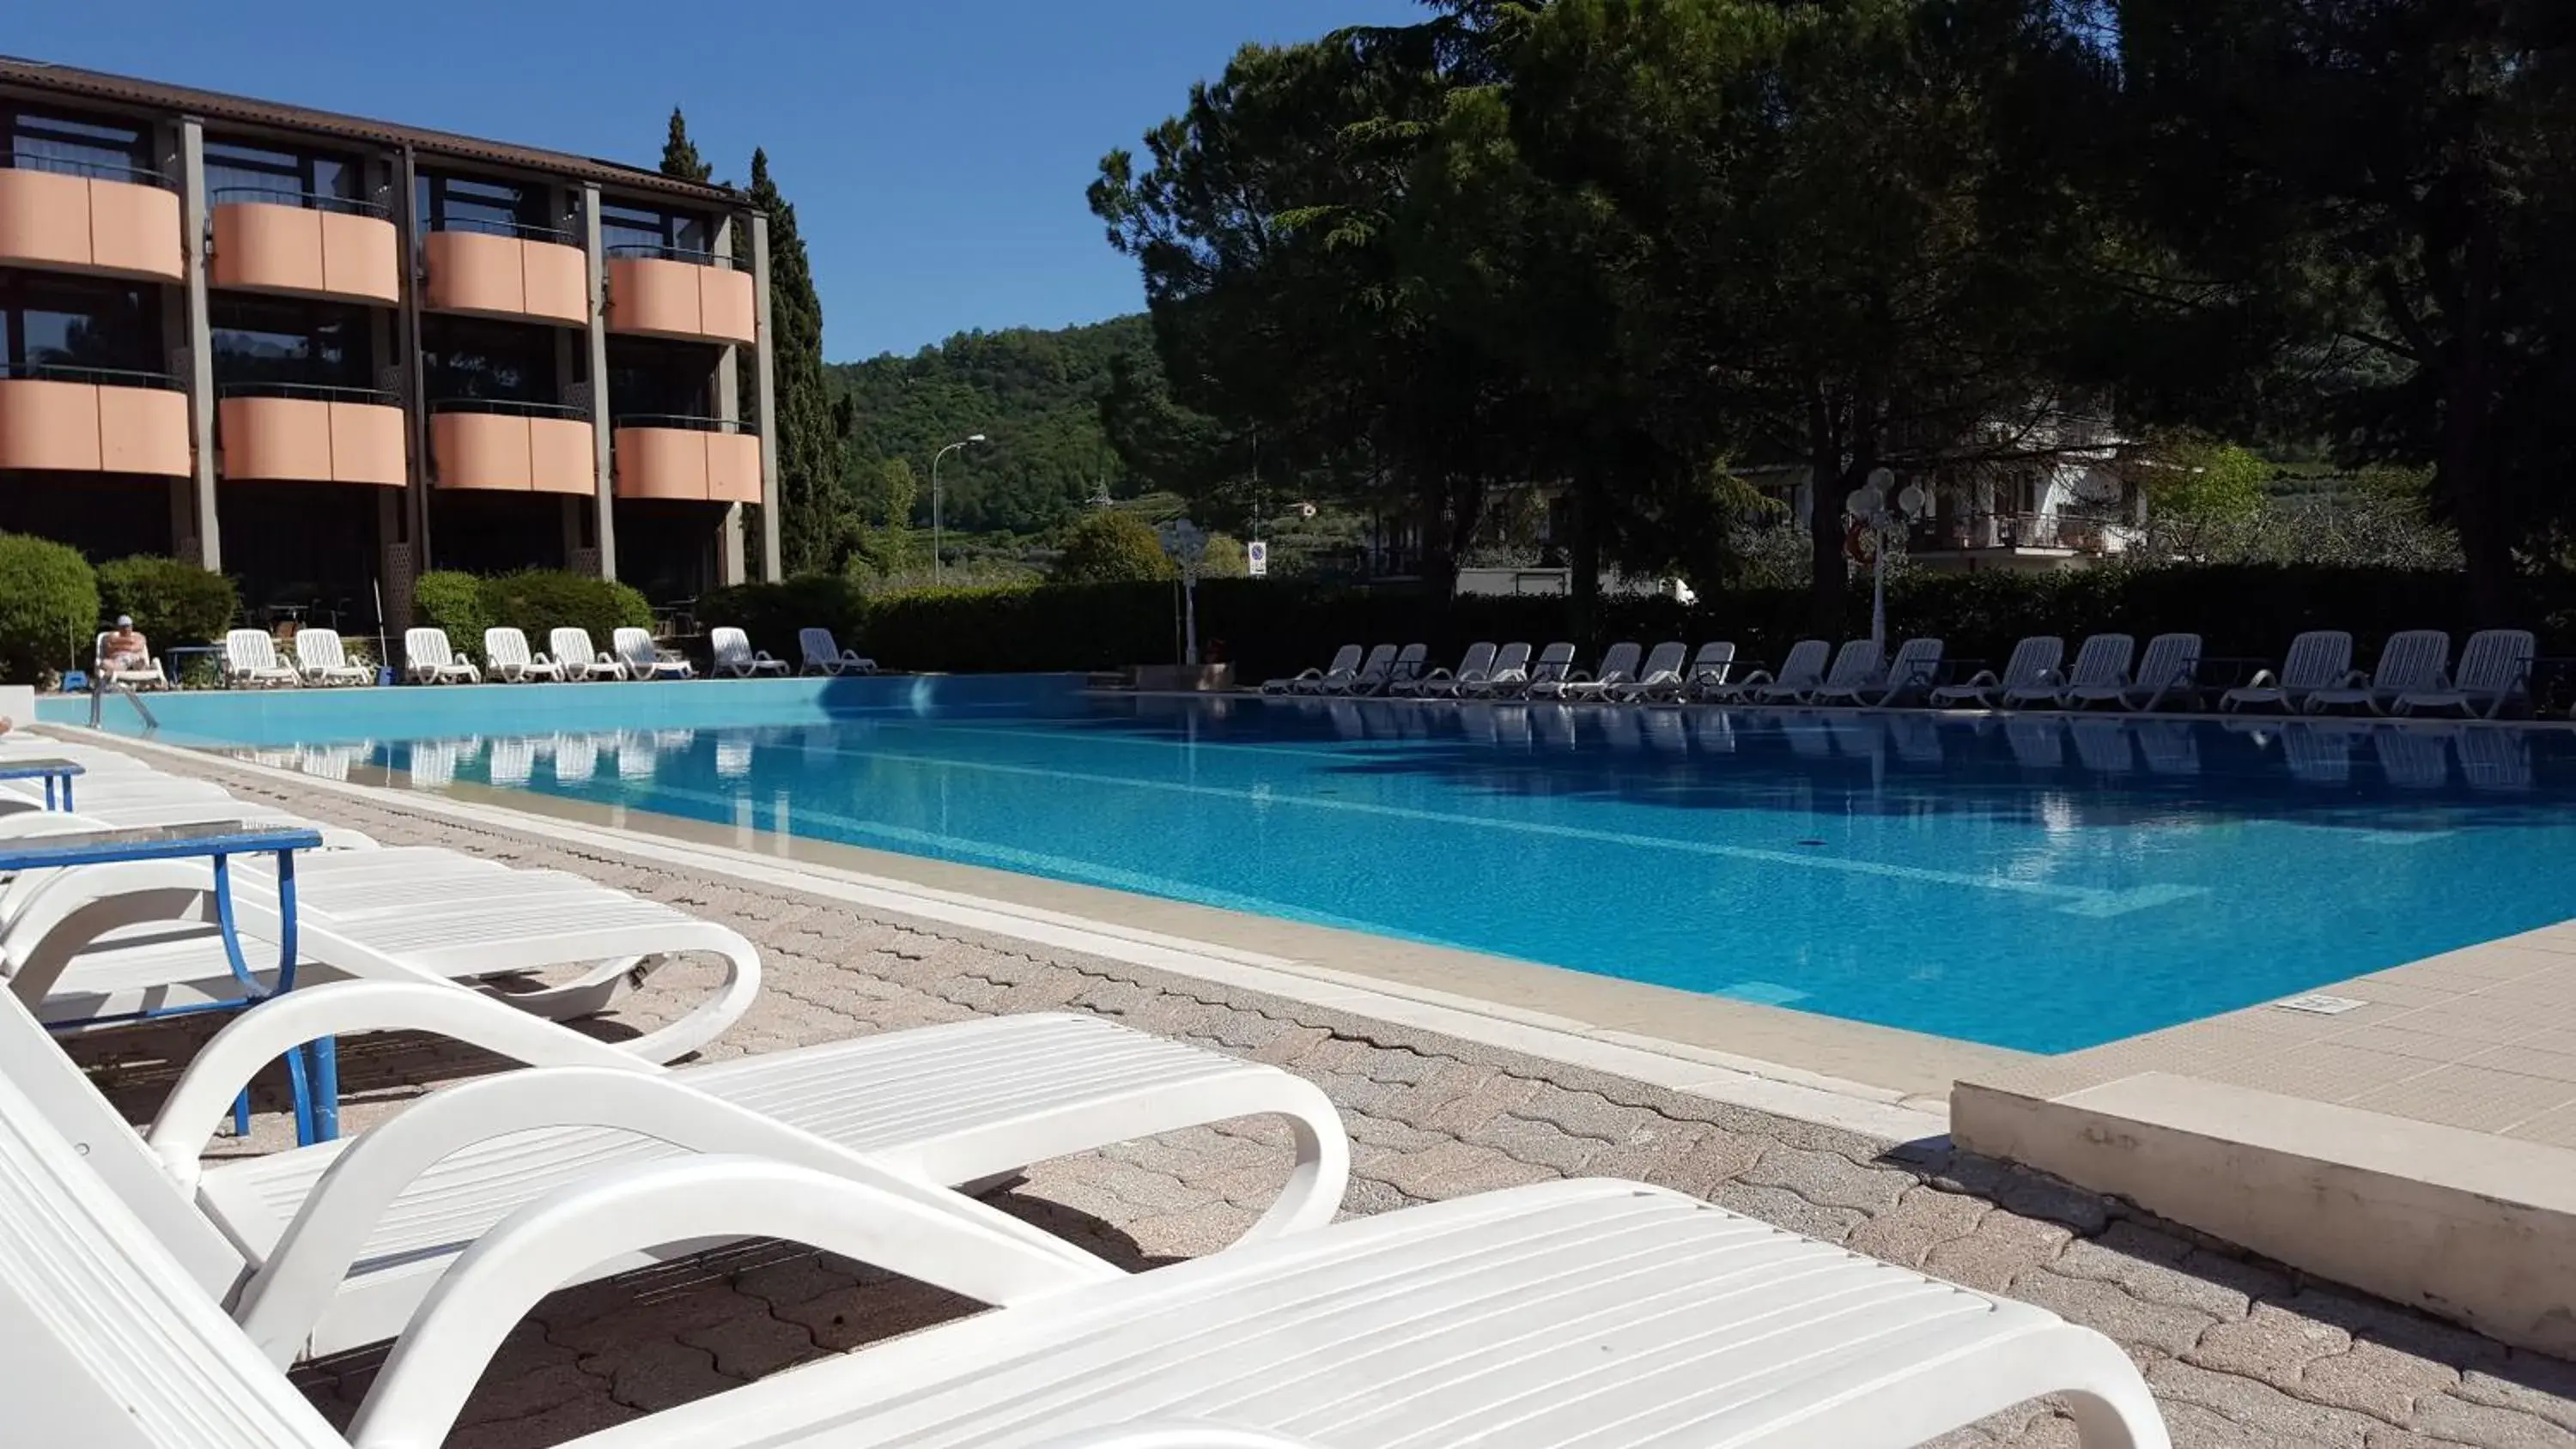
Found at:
[2240, 1352]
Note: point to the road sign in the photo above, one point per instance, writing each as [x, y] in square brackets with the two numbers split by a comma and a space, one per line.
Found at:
[1256, 559]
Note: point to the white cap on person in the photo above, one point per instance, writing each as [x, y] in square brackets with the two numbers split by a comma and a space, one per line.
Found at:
[125, 621]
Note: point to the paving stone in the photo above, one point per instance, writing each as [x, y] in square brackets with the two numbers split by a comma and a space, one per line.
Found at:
[1589, 1114]
[2002, 1248]
[1922, 1219]
[2272, 1346]
[2151, 1278]
[1830, 1179]
[1453, 1169]
[2527, 1383]
[2147, 1329]
[2377, 1380]
[754, 1346]
[660, 1374]
[1780, 1206]
[1542, 1144]
[2446, 1416]
[2258, 1406]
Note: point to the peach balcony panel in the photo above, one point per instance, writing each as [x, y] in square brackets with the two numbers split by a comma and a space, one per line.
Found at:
[312, 440]
[658, 297]
[562, 456]
[275, 247]
[506, 452]
[733, 467]
[85, 224]
[661, 463]
[503, 276]
[81, 427]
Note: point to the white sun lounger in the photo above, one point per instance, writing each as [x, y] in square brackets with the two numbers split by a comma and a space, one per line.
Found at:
[1372, 673]
[506, 651]
[1513, 677]
[2033, 663]
[2166, 671]
[1618, 666]
[2318, 659]
[1802, 670]
[322, 659]
[1474, 667]
[1661, 674]
[250, 658]
[571, 649]
[1529, 1318]
[2414, 661]
[643, 660]
[1909, 674]
[1708, 671]
[2495, 670]
[824, 655]
[429, 659]
[1855, 666]
[2101, 669]
[1346, 662]
[332, 1246]
[1401, 673]
[149, 676]
[734, 657]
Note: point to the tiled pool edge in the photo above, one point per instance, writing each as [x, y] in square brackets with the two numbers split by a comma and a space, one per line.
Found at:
[1780, 1089]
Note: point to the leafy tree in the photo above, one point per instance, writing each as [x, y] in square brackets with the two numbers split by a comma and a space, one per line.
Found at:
[1224, 558]
[680, 155]
[2200, 480]
[819, 523]
[1109, 547]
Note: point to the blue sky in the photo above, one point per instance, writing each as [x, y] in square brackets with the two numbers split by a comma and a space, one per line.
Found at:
[936, 152]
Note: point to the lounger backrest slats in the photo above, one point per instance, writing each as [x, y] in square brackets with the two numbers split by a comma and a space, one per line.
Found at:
[2033, 660]
[1512, 660]
[1620, 662]
[427, 646]
[730, 645]
[1916, 661]
[2170, 659]
[249, 649]
[1855, 665]
[1410, 661]
[1713, 662]
[2413, 659]
[818, 646]
[2496, 661]
[1381, 659]
[505, 646]
[320, 649]
[1554, 662]
[1346, 660]
[1478, 661]
[1805, 666]
[2103, 662]
[2318, 659]
[635, 646]
[1665, 661]
[571, 646]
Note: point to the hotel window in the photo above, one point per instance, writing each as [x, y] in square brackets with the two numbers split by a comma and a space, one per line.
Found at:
[68, 326]
[104, 149]
[239, 171]
[262, 342]
[639, 231]
[470, 359]
[468, 203]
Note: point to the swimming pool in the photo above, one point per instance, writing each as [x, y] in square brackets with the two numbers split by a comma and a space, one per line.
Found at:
[2036, 883]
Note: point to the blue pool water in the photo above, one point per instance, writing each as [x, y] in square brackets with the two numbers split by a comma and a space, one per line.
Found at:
[2035, 883]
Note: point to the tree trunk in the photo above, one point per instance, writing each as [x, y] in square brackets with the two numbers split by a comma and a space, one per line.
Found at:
[1825, 490]
[2486, 540]
[1585, 555]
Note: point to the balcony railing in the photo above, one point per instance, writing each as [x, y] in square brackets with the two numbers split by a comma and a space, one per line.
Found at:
[92, 170]
[524, 231]
[664, 252]
[94, 376]
[688, 421]
[508, 407]
[295, 197]
[311, 392]
[2073, 530]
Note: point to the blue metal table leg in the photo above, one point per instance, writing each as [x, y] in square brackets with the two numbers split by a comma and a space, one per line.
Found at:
[318, 1099]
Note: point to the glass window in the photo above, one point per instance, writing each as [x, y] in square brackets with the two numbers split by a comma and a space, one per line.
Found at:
[100, 147]
[240, 171]
[469, 358]
[640, 229]
[668, 379]
[50, 321]
[465, 203]
[259, 341]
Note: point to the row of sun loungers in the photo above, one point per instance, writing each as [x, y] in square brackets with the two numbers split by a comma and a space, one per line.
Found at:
[2414, 675]
[156, 1298]
[321, 659]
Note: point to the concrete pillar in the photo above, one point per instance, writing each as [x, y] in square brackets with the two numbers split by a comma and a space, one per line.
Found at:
[729, 561]
[606, 504]
[200, 376]
[407, 553]
[765, 384]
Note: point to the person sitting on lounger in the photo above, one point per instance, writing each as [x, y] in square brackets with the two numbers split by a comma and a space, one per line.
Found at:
[125, 647]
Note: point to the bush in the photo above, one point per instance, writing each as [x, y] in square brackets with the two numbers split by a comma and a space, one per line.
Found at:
[48, 608]
[1108, 547]
[172, 601]
[445, 599]
[538, 601]
[772, 613]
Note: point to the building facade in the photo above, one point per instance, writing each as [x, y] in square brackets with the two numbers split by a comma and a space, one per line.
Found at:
[324, 354]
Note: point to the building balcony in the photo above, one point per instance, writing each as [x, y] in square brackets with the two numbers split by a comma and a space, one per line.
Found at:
[508, 447]
[295, 433]
[78, 216]
[519, 273]
[305, 245]
[2038, 541]
[93, 420]
[658, 291]
[695, 459]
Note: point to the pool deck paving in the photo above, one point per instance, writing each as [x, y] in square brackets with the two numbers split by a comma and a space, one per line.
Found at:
[2238, 1351]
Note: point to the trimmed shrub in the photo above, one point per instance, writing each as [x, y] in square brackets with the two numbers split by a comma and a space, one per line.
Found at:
[772, 613]
[446, 599]
[172, 601]
[48, 608]
[538, 601]
[1108, 547]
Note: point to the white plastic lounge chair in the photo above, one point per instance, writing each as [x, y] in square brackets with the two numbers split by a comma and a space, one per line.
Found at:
[429, 659]
[824, 655]
[1855, 667]
[573, 654]
[2167, 671]
[1517, 1310]
[2101, 668]
[735, 658]
[506, 651]
[1618, 666]
[147, 676]
[1513, 670]
[1346, 662]
[2495, 671]
[250, 658]
[1476, 664]
[1802, 670]
[1708, 671]
[643, 660]
[2414, 661]
[415, 915]
[1661, 674]
[1401, 674]
[1371, 673]
[2033, 664]
[2317, 660]
[1916, 661]
[320, 658]
[1910, 673]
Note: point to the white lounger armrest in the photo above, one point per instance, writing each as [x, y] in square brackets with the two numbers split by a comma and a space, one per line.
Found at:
[283, 1301]
[927, 1234]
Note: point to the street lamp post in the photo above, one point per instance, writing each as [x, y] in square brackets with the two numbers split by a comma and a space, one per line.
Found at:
[934, 499]
[1870, 507]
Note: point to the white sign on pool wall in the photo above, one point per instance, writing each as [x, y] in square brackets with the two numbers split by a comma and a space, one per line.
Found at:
[1256, 559]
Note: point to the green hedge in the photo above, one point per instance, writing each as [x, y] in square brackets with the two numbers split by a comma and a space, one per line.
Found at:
[1277, 626]
[172, 601]
[535, 601]
[48, 608]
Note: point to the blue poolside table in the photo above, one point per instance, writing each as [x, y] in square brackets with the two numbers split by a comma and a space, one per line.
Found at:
[52, 772]
[312, 1071]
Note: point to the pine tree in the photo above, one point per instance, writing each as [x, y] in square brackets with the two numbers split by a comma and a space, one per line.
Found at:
[819, 521]
[680, 154]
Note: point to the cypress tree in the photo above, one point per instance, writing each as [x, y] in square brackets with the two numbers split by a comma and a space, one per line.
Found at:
[819, 522]
[680, 154]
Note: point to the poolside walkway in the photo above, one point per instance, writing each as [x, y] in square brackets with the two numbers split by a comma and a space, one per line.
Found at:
[2239, 1353]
